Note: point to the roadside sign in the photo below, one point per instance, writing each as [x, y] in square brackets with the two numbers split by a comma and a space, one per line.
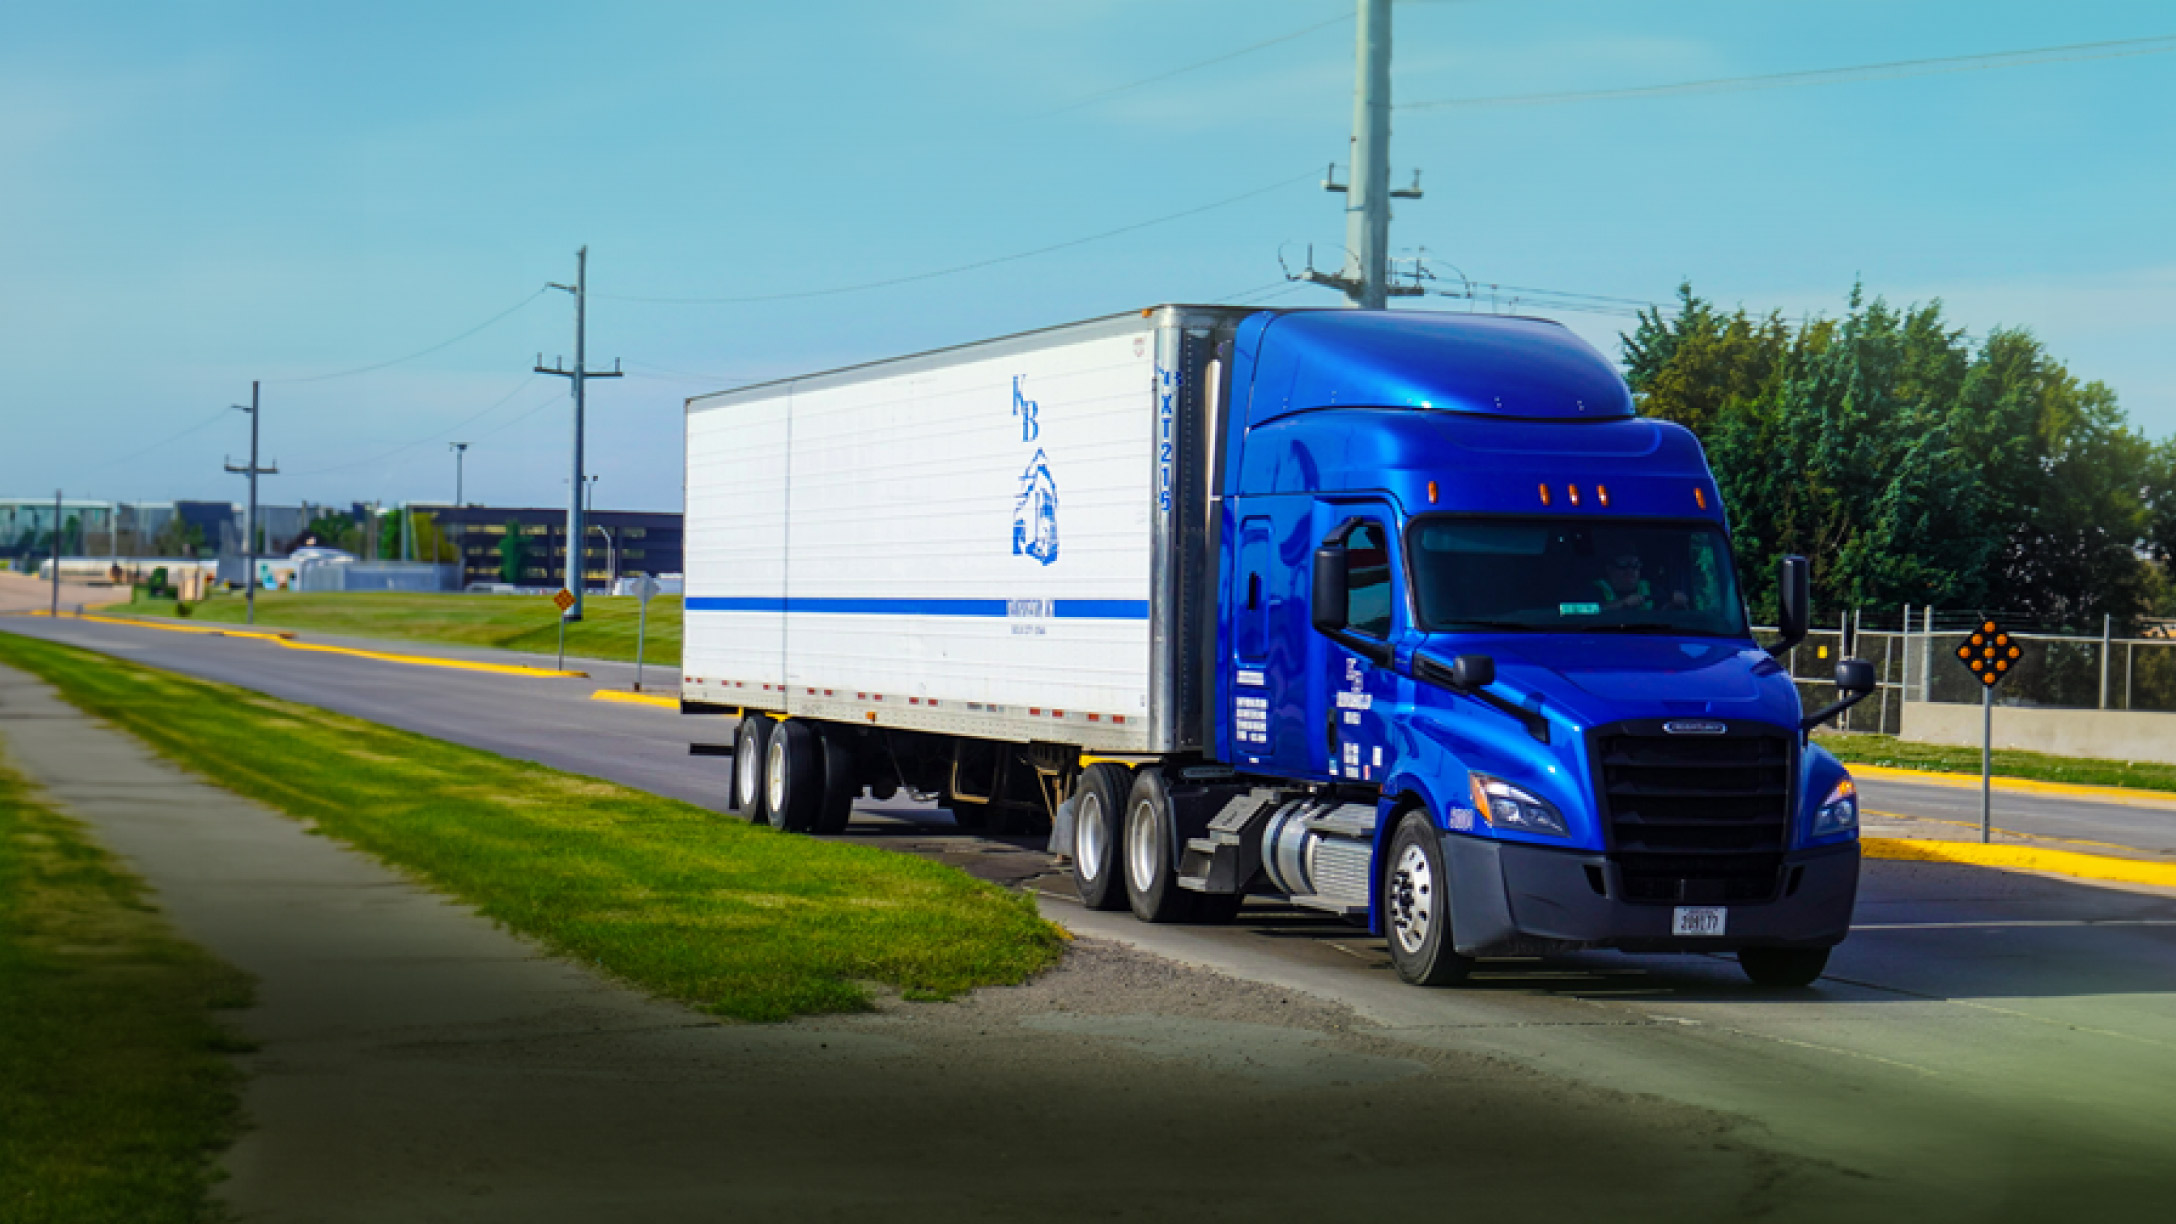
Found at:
[645, 587]
[1989, 654]
[564, 600]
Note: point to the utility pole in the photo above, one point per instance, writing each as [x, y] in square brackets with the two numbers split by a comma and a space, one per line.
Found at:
[55, 613]
[249, 524]
[1365, 278]
[579, 375]
[460, 452]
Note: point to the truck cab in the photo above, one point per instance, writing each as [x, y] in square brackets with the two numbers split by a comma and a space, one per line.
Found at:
[1464, 584]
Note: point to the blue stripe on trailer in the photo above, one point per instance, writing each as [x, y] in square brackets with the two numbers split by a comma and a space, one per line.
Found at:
[1062, 609]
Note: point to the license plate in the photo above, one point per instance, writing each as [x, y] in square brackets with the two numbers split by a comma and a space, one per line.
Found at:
[1698, 920]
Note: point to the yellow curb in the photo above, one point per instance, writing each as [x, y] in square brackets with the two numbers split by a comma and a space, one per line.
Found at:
[2022, 858]
[287, 639]
[269, 635]
[2028, 786]
[503, 669]
[1999, 831]
[669, 703]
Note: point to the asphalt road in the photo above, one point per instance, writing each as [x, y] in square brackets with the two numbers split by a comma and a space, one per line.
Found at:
[1986, 1045]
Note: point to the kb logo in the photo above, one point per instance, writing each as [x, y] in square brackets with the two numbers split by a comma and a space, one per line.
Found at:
[1025, 409]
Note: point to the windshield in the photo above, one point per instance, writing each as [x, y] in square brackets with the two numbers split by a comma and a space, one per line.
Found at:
[1575, 576]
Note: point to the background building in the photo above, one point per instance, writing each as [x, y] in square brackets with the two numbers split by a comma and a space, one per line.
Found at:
[621, 542]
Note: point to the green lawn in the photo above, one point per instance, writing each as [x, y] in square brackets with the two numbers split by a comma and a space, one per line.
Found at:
[2008, 762]
[506, 622]
[727, 916]
[116, 1091]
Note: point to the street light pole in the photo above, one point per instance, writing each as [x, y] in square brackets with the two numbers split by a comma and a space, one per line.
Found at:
[460, 452]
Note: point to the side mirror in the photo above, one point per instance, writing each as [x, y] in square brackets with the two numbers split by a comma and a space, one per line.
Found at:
[1328, 602]
[1855, 677]
[1854, 681]
[1794, 602]
[1472, 673]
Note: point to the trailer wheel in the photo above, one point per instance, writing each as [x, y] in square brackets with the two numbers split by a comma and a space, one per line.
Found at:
[1417, 907]
[1098, 832]
[1783, 968]
[1152, 873]
[750, 740]
[839, 777]
[793, 777]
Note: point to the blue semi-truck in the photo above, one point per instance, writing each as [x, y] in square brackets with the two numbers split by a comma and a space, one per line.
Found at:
[1404, 616]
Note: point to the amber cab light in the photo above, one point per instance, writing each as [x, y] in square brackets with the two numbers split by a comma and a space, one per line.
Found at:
[1700, 497]
[1601, 494]
[1545, 495]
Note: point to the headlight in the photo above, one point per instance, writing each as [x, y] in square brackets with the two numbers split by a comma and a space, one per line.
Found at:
[1839, 812]
[1505, 806]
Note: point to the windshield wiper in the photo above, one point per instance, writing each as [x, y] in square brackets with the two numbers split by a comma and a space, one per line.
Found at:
[1513, 626]
[1652, 627]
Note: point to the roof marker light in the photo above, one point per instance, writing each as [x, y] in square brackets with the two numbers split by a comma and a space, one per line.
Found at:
[1700, 497]
[1601, 494]
[1571, 491]
[1431, 492]
[1544, 494]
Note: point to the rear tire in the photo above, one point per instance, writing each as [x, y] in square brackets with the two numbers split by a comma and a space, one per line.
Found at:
[1098, 826]
[839, 776]
[750, 740]
[1417, 907]
[793, 777]
[1152, 874]
[1783, 968]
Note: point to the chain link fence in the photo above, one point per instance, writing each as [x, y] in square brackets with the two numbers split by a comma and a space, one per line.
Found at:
[1919, 663]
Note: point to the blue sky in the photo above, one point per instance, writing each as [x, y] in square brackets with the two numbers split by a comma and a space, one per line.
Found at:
[196, 195]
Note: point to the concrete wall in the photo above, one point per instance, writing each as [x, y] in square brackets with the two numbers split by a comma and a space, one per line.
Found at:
[2122, 735]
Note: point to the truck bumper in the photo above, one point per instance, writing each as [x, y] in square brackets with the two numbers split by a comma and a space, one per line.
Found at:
[1512, 899]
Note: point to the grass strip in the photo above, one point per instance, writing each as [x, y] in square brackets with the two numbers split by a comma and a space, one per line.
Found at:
[115, 1089]
[2008, 762]
[736, 919]
[501, 622]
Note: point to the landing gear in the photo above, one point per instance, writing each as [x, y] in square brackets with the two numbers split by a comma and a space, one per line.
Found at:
[1783, 968]
[1417, 907]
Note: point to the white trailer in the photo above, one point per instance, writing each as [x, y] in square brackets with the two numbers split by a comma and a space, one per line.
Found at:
[990, 543]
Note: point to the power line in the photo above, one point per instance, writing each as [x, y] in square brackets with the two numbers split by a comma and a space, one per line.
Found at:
[421, 352]
[1114, 91]
[966, 267]
[163, 444]
[1893, 70]
[452, 429]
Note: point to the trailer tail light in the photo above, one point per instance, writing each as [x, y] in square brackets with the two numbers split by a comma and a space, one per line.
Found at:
[1544, 494]
[1571, 493]
[1601, 494]
[1700, 497]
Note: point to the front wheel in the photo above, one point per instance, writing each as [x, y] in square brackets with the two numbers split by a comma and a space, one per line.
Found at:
[1783, 968]
[1417, 907]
